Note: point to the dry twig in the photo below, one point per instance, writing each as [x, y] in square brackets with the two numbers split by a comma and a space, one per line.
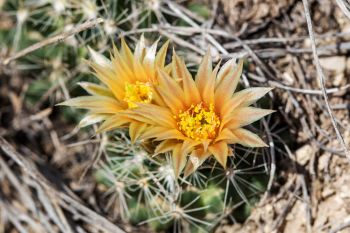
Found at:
[340, 227]
[344, 6]
[67, 202]
[322, 79]
[55, 39]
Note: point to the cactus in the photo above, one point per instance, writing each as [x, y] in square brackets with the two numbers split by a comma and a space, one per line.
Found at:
[153, 195]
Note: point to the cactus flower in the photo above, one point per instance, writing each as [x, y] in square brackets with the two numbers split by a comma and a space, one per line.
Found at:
[127, 79]
[201, 117]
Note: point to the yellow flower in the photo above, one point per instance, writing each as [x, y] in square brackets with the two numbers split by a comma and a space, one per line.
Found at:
[128, 79]
[201, 117]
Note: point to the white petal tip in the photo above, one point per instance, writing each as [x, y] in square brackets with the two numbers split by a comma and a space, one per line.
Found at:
[98, 58]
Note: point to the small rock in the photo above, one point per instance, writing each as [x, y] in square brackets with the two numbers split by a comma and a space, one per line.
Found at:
[337, 81]
[323, 162]
[345, 191]
[288, 78]
[303, 154]
[336, 63]
[327, 192]
[307, 43]
[346, 29]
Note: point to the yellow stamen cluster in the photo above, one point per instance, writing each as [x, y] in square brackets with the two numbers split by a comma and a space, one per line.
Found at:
[138, 92]
[198, 122]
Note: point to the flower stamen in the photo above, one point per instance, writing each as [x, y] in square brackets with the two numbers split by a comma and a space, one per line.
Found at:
[138, 92]
[198, 122]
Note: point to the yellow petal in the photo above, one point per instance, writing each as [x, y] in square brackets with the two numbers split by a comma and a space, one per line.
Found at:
[179, 159]
[140, 49]
[165, 146]
[209, 93]
[246, 115]
[251, 95]
[108, 77]
[226, 135]
[205, 143]
[135, 130]
[243, 98]
[189, 144]
[196, 159]
[157, 98]
[149, 60]
[249, 139]
[99, 59]
[225, 89]
[132, 114]
[126, 53]
[171, 92]
[225, 71]
[167, 69]
[94, 89]
[220, 152]
[161, 133]
[180, 72]
[140, 72]
[158, 115]
[97, 104]
[204, 80]
[112, 123]
[122, 69]
[91, 119]
[161, 55]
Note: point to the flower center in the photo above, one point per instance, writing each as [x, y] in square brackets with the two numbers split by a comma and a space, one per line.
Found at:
[138, 92]
[198, 122]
